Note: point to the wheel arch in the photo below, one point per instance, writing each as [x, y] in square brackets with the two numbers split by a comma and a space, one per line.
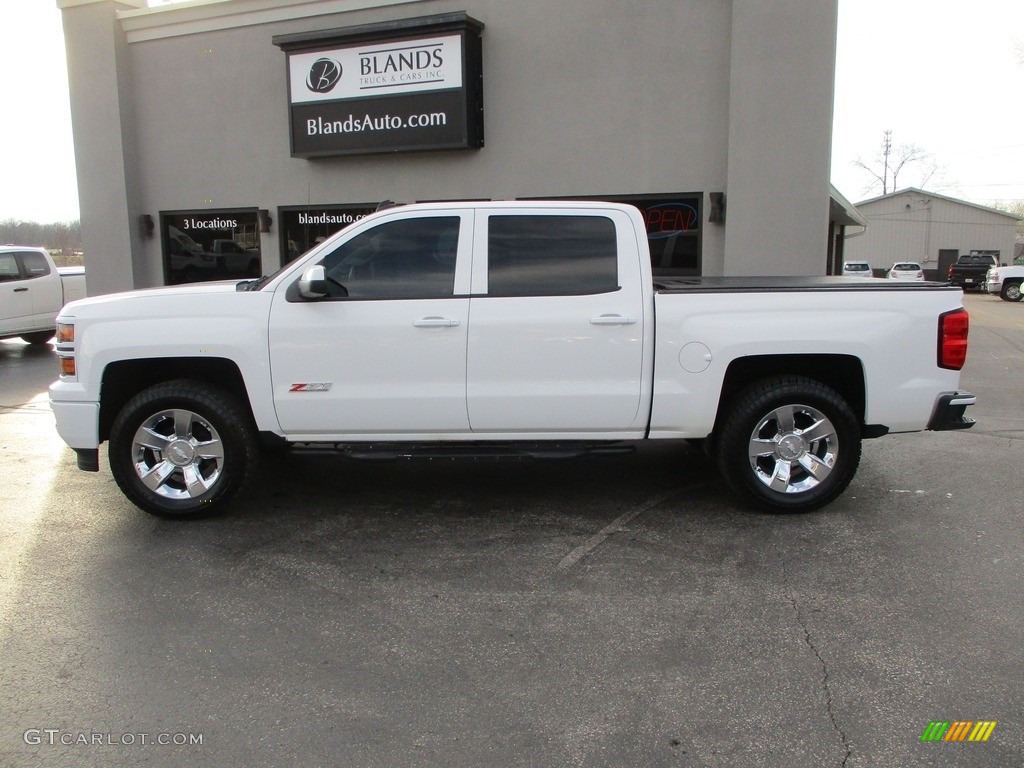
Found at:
[124, 379]
[843, 373]
[1007, 292]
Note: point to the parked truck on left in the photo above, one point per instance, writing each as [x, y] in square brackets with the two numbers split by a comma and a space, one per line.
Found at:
[32, 291]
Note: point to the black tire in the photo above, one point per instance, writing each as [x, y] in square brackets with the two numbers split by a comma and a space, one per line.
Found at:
[1009, 292]
[183, 449]
[789, 444]
[39, 337]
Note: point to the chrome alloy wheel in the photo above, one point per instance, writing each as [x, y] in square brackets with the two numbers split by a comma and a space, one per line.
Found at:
[793, 448]
[177, 454]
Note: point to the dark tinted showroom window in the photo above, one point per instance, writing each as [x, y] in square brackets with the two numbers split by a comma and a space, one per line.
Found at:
[673, 232]
[210, 245]
[302, 228]
[551, 255]
[403, 259]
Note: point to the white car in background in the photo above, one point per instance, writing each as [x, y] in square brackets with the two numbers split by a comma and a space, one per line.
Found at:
[906, 270]
[857, 269]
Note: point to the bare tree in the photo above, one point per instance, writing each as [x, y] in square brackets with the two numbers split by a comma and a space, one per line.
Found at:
[63, 239]
[890, 162]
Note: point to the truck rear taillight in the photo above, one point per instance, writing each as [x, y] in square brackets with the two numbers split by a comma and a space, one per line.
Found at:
[953, 327]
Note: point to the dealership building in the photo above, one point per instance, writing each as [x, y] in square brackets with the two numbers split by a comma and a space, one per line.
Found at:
[222, 138]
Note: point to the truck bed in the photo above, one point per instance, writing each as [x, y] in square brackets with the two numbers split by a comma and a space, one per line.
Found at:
[672, 284]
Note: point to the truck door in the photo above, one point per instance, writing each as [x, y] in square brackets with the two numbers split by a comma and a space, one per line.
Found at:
[44, 286]
[15, 298]
[385, 352]
[556, 322]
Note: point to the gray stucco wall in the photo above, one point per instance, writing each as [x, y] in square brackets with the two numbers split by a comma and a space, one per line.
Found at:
[585, 98]
[780, 136]
[101, 114]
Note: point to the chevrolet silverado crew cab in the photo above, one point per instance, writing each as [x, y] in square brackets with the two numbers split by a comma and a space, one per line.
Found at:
[531, 329]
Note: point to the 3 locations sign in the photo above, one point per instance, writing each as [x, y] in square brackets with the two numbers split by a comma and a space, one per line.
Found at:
[414, 84]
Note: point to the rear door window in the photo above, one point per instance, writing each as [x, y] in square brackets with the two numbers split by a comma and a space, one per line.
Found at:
[551, 255]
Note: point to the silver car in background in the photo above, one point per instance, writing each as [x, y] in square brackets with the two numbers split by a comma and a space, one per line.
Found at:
[857, 269]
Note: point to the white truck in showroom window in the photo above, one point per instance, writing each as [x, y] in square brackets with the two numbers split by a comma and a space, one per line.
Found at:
[525, 329]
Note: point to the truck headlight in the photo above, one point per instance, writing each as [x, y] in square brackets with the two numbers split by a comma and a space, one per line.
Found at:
[66, 350]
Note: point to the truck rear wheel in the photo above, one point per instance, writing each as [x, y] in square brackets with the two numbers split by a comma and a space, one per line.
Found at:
[789, 444]
[182, 449]
[1010, 291]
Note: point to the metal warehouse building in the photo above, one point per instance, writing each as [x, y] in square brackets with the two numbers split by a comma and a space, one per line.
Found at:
[221, 138]
[931, 229]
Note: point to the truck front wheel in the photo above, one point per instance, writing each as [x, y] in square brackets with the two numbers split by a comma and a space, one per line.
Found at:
[1010, 291]
[789, 444]
[182, 449]
[40, 337]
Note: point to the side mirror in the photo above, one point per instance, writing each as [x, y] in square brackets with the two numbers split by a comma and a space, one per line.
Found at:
[313, 283]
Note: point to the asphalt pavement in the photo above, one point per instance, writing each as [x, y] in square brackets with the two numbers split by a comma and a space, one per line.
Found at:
[617, 611]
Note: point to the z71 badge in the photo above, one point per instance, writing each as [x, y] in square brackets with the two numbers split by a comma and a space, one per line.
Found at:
[312, 386]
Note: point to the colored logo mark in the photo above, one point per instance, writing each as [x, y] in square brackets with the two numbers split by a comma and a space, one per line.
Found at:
[959, 730]
[323, 75]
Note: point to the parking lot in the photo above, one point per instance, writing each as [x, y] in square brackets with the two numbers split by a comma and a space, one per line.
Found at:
[601, 612]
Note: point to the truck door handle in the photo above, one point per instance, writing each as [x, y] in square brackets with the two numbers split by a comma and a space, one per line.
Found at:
[435, 322]
[20, 290]
[613, 320]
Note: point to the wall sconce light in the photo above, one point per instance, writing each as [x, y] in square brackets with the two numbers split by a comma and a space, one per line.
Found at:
[717, 213]
[146, 225]
[265, 221]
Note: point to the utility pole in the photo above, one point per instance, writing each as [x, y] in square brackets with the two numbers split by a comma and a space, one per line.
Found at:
[886, 149]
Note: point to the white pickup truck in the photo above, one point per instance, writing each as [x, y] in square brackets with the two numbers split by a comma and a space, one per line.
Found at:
[1005, 282]
[32, 291]
[530, 329]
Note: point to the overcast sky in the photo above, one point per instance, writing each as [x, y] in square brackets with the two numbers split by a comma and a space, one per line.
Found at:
[945, 75]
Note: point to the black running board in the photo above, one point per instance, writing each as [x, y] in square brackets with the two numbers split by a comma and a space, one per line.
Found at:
[472, 451]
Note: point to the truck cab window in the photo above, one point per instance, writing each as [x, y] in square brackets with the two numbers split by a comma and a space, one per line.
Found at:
[403, 259]
[551, 255]
[8, 267]
[34, 263]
